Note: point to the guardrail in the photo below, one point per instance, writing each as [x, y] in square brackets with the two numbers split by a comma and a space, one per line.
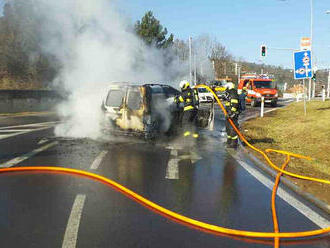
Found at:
[13, 101]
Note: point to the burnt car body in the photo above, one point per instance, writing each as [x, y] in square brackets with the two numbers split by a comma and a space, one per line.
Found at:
[143, 110]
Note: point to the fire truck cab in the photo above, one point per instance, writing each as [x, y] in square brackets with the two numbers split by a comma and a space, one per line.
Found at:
[259, 86]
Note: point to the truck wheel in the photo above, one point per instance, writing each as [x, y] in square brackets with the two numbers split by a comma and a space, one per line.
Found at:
[274, 104]
[253, 103]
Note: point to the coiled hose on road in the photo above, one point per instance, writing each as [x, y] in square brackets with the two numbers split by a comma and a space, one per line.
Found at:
[189, 221]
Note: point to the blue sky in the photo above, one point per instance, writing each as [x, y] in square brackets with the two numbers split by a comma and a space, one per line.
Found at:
[243, 25]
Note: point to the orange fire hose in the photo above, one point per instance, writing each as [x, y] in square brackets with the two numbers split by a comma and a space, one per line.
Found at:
[166, 212]
[273, 203]
[281, 170]
[183, 219]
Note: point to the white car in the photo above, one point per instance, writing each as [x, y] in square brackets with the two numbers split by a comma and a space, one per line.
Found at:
[204, 95]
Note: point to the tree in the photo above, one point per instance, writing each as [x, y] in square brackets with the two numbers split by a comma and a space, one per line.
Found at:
[152, 32]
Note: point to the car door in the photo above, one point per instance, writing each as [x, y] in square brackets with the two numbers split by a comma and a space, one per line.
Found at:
[115, 104]
[134, 113]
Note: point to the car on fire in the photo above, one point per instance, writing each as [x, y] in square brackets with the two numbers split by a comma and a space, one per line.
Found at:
[147, 110]
[143, 110]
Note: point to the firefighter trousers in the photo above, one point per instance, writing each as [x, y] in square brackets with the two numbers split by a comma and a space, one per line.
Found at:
[189, 123]
[232, 137]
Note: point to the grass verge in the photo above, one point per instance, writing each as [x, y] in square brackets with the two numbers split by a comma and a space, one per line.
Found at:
[289, 129]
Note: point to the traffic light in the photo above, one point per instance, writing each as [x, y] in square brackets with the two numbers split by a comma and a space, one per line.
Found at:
[263, 51]
[314, 77]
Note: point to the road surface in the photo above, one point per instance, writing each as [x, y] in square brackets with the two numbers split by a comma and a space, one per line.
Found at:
[200, 180]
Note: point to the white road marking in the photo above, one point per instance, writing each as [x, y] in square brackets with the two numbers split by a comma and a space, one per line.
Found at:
[49, 123]
[42, 141]
[28, 155]
[98, 160]
[172, 171]
[301, 207]
[15, 130]
[72, 228]
[19, 130]
[174, 152]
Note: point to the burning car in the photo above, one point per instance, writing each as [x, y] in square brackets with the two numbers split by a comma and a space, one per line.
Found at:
[144, 110]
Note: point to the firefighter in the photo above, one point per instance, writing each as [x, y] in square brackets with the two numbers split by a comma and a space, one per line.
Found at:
[189, 101]
[231, 99]
[242, 93]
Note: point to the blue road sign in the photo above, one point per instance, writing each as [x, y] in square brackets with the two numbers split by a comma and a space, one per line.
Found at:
[302, 65]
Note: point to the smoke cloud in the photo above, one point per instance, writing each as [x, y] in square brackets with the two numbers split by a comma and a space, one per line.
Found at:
[95, 45]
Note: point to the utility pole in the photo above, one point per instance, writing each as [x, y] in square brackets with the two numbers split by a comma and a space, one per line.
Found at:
[190, 59]
[195, 69]
[310, 80]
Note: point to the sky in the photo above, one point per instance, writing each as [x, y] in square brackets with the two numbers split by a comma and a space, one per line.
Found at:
[244, 25]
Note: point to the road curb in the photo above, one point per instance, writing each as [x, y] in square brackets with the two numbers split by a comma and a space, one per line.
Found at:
[271, 172]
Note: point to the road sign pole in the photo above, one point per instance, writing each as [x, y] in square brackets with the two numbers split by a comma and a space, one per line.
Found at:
[304, 95]
[309, 89]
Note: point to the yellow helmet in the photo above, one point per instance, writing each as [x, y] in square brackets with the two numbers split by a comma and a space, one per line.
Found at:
[229, 86]
[184, 84]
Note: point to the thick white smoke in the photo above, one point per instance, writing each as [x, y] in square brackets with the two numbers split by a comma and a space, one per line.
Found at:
[95, 46]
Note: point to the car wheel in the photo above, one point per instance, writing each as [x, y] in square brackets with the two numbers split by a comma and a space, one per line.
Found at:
[274, 104]
[253, 103]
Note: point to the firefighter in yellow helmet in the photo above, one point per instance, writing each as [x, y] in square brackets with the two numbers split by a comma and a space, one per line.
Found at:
[189, 101]
[232, 102]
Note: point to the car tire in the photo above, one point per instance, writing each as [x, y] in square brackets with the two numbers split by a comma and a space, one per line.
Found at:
[254, 103]
[274, 104]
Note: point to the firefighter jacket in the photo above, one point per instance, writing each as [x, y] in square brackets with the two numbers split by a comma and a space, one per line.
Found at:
[232, 102]
[189, 99]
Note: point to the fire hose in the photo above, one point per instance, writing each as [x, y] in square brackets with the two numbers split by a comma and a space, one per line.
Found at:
[189, 221]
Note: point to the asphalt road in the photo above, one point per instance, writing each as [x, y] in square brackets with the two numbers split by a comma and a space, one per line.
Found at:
[200, 180]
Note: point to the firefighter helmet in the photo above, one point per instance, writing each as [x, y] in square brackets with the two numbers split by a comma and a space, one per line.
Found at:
[184, 84]
[229, 86]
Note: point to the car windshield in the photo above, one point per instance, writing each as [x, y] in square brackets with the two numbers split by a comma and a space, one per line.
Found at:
[263, 84]
[202, 90]
[115, 98]
[219, 83]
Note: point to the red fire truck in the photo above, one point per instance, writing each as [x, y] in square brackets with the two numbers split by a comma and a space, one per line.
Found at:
[259, 86]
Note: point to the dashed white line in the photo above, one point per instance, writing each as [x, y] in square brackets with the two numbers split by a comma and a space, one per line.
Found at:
[72, 228]
[28, 155]
[301, 207]
[98, 160]
[172, 171]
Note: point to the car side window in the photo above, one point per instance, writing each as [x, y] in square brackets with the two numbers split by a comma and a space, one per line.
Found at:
[170, 92]
[115, 98]
[134, 100]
